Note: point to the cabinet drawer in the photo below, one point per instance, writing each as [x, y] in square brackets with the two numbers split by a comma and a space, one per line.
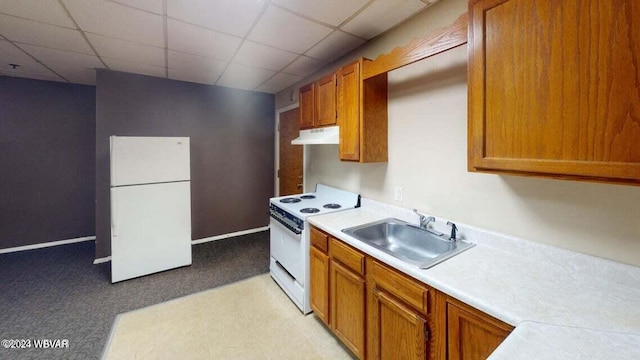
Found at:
[408, 290]
[319, 239]
[349, 257]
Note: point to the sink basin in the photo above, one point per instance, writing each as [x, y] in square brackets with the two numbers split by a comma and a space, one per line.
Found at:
[420, 247]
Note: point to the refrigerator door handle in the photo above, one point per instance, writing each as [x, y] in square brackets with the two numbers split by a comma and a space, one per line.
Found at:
[112, 160]
[114, 232]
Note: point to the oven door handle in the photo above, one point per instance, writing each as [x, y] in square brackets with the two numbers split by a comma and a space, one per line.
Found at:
[286, 226]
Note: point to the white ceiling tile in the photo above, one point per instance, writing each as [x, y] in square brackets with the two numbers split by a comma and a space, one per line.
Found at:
[262, 56]
[35, 33]
[154, 6]
[332, 12]
[381, 16]
[47, 11]
[9, 54]
[134, 68]
[116, 20]
[279, 82]
[126, 50]
[233, 17]
[334, 46]
[286, 31]
[304, 66]
[244, 77]
[192, 76]
[76, 75]
[184, 64]
[197, 40]
[50, 57]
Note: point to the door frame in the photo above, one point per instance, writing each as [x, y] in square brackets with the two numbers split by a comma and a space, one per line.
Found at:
[276, 165]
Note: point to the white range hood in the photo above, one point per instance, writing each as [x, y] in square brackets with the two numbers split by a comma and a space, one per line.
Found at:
[324, 135]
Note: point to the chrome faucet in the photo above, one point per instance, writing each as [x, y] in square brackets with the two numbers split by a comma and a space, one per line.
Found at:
[454, 230]
[424, 220]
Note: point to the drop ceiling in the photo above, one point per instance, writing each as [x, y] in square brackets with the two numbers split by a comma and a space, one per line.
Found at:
[257, 45]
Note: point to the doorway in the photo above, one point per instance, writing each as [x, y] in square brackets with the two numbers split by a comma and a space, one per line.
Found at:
[290, 173]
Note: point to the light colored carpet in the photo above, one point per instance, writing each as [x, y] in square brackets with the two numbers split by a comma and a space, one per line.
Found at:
[250, 319]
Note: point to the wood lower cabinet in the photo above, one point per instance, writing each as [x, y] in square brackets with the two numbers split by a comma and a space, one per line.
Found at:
[400, 330]
[380, 313]
[472, 334]
[347, 294]
[319, 274]
[347, 307]
[553, 89]
[400, 316]
[319, 287]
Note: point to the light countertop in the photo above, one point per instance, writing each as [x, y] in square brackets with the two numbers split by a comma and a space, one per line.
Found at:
[563, 304]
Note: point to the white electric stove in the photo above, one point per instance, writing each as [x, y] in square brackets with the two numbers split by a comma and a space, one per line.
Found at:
[290, 237]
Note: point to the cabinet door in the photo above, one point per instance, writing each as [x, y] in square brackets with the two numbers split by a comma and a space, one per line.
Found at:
[349, 111]
[395, 329]
[307, 109]
[319, 284]
[325, 101]
[347, 308]
[553, 88]
[472, 334]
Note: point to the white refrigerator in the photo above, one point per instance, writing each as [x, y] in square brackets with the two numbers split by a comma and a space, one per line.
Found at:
[150, 205]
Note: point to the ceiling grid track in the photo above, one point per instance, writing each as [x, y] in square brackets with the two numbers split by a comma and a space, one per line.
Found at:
[261, 45]
[165, 31]
[84, 36]
[244, 38]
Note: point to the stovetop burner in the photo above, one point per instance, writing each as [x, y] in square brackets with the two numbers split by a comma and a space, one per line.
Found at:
[309, 210]
[290, 200]
[306, 197]
[332, 206]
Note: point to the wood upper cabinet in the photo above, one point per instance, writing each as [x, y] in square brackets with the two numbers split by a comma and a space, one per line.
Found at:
[347, 296]
[472, 334]
[307, 106]
[554, 90]
[362, 114]
[318, 103]
[325, 103]
[349, 111]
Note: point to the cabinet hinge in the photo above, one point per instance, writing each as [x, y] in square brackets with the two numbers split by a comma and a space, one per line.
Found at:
[278, 172]
[279, 126]
[426, 333]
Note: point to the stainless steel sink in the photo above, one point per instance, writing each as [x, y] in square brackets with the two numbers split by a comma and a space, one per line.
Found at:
[420, 247]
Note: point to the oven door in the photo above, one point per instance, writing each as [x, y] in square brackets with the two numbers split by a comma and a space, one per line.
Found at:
[286, 249]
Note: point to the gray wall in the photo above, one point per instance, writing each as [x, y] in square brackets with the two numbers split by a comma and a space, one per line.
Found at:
[47, 148]
[232, 154]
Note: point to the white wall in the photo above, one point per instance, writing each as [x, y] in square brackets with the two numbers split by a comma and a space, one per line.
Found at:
[428, 158]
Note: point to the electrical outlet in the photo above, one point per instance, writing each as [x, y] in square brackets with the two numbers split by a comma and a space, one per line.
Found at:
[398, 193]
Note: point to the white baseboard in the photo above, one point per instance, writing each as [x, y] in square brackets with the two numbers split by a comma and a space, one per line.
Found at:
[47, 244]
[225, 236]
[200, 241]
[102, 260]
